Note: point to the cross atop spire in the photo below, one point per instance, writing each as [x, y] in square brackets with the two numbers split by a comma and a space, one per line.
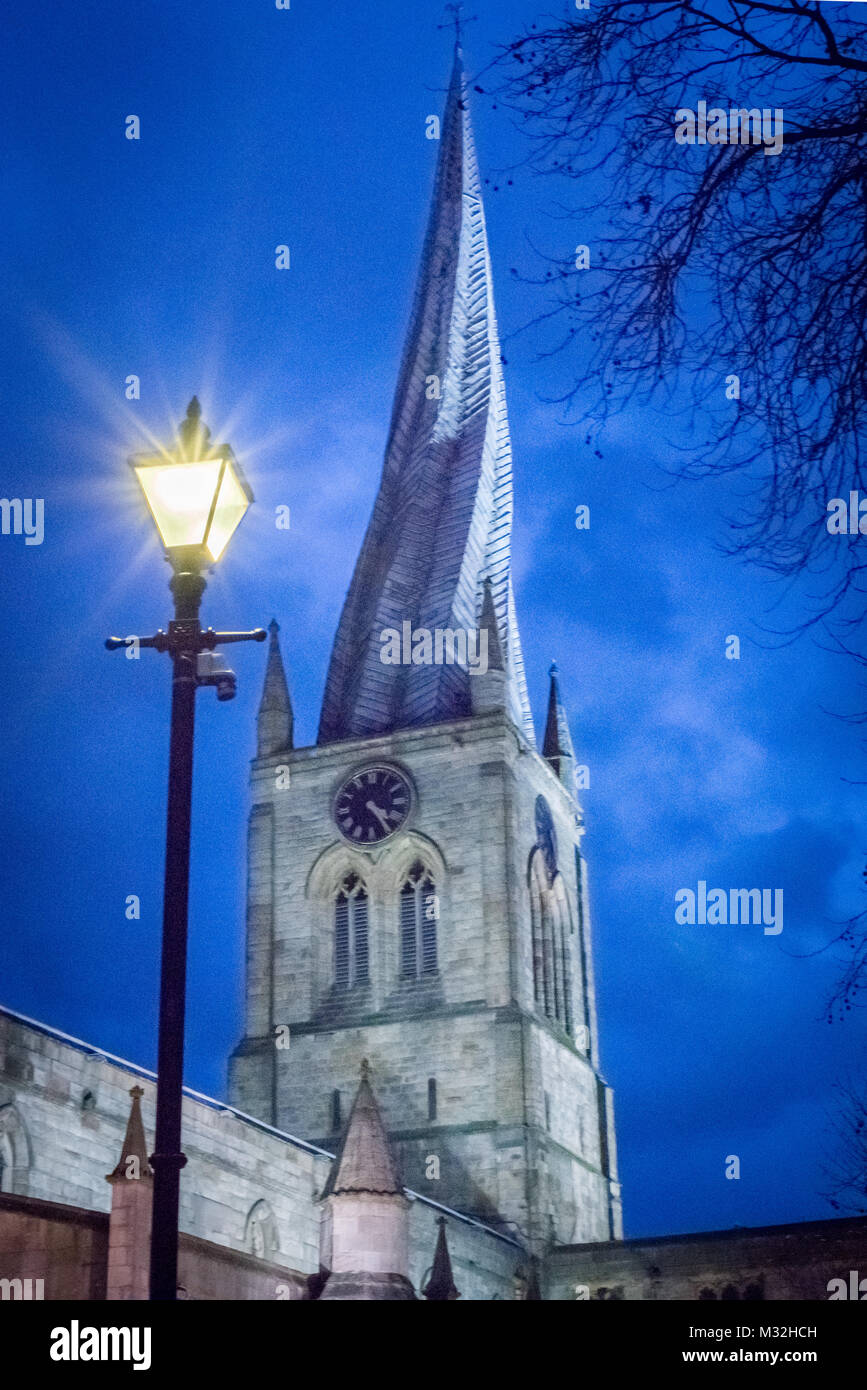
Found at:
[443, 516]
[455, 12]
[457, 21]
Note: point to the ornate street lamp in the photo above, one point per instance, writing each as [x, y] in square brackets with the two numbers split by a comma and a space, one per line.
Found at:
[197, 495]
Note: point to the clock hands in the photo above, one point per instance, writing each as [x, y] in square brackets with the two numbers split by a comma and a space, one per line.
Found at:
[371, 805]
[380, 816]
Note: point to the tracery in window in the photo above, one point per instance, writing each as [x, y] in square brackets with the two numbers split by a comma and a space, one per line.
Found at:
[549, 914]
[419, 914]
[351, 951]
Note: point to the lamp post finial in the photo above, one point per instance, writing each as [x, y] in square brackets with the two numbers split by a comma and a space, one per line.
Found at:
[193, 433]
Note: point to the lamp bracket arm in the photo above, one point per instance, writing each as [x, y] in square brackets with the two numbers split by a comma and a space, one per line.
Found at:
[159, 640]
[211, 639]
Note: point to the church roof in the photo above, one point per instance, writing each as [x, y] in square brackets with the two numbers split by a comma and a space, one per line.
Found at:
[11, 1019]
[442, 519]
[364, 1160]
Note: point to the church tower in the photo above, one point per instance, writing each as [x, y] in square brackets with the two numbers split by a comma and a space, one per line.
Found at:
[416, 888]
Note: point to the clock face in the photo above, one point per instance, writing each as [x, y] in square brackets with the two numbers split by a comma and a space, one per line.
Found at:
[372, 804]
[546, 836]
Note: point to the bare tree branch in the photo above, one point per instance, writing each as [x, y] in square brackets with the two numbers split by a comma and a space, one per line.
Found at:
[727, 282]
[846, 1169]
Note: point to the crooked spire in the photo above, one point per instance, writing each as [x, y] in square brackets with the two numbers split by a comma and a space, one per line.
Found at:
[275, 721]
[443, 515]
[557, 747]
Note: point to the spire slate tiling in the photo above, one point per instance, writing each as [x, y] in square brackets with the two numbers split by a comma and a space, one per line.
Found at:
[443, 516]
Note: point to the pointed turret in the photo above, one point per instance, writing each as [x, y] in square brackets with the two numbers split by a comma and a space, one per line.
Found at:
[488, 623]
[129, 1227]
[133, 1162]
[443, 515]
[275, 721]
[441, 1288]
[557, 747]
[489, 687]
[364, 1161]
[365, 1231]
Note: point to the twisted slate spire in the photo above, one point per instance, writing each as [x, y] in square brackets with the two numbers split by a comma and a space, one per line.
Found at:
[442, 520]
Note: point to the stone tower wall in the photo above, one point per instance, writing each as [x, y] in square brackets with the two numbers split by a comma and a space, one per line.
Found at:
[517, 1130]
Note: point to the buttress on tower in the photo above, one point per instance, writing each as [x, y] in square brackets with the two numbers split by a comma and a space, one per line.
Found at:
[416, 889]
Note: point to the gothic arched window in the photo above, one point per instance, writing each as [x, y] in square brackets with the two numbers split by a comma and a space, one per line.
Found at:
[419, 913]
[7, 1163]
[261, 1231]
[538, 886]
[14, 1150]
[562, 929]
[549, 916]
[351, 953]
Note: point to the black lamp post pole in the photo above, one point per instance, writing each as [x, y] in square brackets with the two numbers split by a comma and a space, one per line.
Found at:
[184, 641]
[167, 1159]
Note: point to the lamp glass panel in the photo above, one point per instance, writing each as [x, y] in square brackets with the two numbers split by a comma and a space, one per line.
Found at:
[180, 496]
[232, 503]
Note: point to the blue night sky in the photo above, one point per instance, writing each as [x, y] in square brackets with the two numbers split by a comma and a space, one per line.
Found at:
[156, 257]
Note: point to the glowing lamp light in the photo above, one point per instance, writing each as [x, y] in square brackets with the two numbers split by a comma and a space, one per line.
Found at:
[196, 494]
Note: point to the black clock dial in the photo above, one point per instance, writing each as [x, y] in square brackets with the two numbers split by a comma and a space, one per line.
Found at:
[546, 836]
[372, 805]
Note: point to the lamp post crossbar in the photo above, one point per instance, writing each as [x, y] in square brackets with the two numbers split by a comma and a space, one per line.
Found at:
[172, 641]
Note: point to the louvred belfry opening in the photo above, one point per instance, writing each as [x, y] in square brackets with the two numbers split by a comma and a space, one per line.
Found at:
[442, 520]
